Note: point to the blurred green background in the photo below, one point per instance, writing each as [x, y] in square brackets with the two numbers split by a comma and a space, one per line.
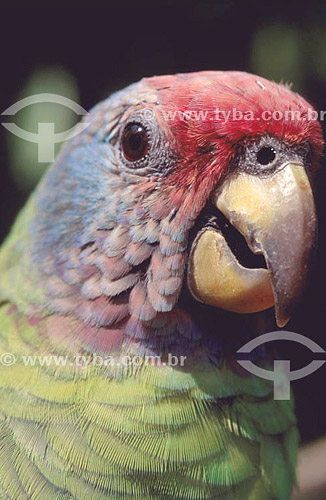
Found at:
[87, 53]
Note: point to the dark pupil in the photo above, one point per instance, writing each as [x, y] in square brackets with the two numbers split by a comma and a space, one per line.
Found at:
[266, 155]
[134, 142]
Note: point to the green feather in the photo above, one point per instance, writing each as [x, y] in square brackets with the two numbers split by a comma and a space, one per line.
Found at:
[70, 433]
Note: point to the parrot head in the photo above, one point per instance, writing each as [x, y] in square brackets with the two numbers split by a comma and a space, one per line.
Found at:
[193, 184]
[181, 213]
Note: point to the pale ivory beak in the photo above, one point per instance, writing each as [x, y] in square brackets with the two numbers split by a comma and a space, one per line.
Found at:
[276, 215]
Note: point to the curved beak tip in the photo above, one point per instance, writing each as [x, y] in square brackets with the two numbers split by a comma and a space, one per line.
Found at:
[276, 215]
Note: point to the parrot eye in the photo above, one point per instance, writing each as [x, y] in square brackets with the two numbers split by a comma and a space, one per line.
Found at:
[134, 142]
[266, 155]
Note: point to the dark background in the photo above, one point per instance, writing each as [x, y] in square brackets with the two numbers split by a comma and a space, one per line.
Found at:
[104, 49]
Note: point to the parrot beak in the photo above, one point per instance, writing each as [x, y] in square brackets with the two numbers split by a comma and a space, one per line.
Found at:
[276, 215]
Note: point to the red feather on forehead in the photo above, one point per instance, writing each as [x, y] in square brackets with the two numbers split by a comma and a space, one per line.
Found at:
[210, 113]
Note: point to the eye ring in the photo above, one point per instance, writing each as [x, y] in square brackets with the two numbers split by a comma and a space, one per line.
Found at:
[266, 155]
[135, 142]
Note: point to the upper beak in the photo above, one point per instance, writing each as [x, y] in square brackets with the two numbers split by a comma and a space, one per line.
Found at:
[276, 215]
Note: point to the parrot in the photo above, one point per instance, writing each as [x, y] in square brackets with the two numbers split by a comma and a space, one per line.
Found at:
[177, 226]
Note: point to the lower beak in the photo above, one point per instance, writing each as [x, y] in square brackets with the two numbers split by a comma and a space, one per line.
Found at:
[276, 215]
